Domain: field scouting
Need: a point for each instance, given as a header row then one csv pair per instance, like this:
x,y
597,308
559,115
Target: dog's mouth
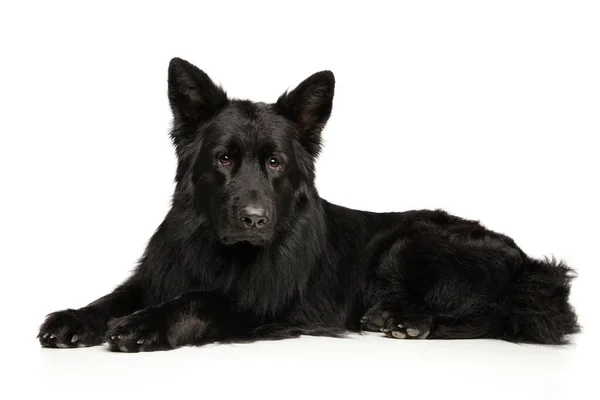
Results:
x,y
253,240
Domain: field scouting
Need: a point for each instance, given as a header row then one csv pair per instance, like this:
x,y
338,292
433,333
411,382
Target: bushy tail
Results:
x,y
538,304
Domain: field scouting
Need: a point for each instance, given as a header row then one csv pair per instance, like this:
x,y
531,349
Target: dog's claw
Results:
x,y
52,336
74,338
45,335
141,341
113,337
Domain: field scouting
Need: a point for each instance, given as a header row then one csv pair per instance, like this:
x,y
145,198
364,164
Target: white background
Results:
x,y
487,109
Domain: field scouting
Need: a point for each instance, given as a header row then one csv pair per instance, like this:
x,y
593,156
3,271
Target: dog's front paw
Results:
x,y
72,328
144,330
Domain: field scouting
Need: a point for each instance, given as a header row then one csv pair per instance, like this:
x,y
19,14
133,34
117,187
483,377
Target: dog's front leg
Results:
x,y
194,318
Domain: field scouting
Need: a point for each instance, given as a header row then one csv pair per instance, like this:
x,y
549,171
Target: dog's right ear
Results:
x,y
193,96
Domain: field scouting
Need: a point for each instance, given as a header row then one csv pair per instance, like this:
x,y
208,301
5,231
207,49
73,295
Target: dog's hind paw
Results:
x,y
396,325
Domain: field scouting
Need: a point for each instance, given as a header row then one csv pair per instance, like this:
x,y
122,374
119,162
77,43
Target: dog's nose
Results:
x,y
253,216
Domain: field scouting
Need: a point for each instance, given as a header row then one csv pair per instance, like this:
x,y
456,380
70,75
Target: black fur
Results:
x,y
250,251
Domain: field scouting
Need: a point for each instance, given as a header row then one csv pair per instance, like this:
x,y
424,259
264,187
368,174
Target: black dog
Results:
x,y
250,251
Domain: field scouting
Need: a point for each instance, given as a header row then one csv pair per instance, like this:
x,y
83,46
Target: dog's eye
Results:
x,y
225,160
274,163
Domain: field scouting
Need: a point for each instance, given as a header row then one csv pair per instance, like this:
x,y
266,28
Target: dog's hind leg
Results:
x,y
433,285
459,280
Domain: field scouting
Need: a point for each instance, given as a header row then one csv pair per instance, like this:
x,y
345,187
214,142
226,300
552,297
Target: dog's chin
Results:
x,y
254,240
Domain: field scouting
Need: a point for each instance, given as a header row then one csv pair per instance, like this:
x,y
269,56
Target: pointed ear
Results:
x,y
194,97
308,106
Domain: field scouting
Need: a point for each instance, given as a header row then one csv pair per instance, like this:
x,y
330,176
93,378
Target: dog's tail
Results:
x,y
537,305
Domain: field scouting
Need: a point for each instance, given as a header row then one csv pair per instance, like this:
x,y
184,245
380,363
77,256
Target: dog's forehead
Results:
x,y
249,121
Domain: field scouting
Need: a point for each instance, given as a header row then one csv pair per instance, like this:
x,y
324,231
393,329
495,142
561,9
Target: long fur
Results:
x,y
537,305
315,268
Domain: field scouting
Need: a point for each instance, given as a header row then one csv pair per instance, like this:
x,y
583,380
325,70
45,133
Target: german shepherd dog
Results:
x,y
249,251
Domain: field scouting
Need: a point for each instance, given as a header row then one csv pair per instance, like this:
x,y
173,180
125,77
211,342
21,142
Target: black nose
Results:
x,y
253,216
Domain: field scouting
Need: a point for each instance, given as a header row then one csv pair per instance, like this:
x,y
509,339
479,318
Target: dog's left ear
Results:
x,y
309,106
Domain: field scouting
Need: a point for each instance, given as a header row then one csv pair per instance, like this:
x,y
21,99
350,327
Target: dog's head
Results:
x,y
249,165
